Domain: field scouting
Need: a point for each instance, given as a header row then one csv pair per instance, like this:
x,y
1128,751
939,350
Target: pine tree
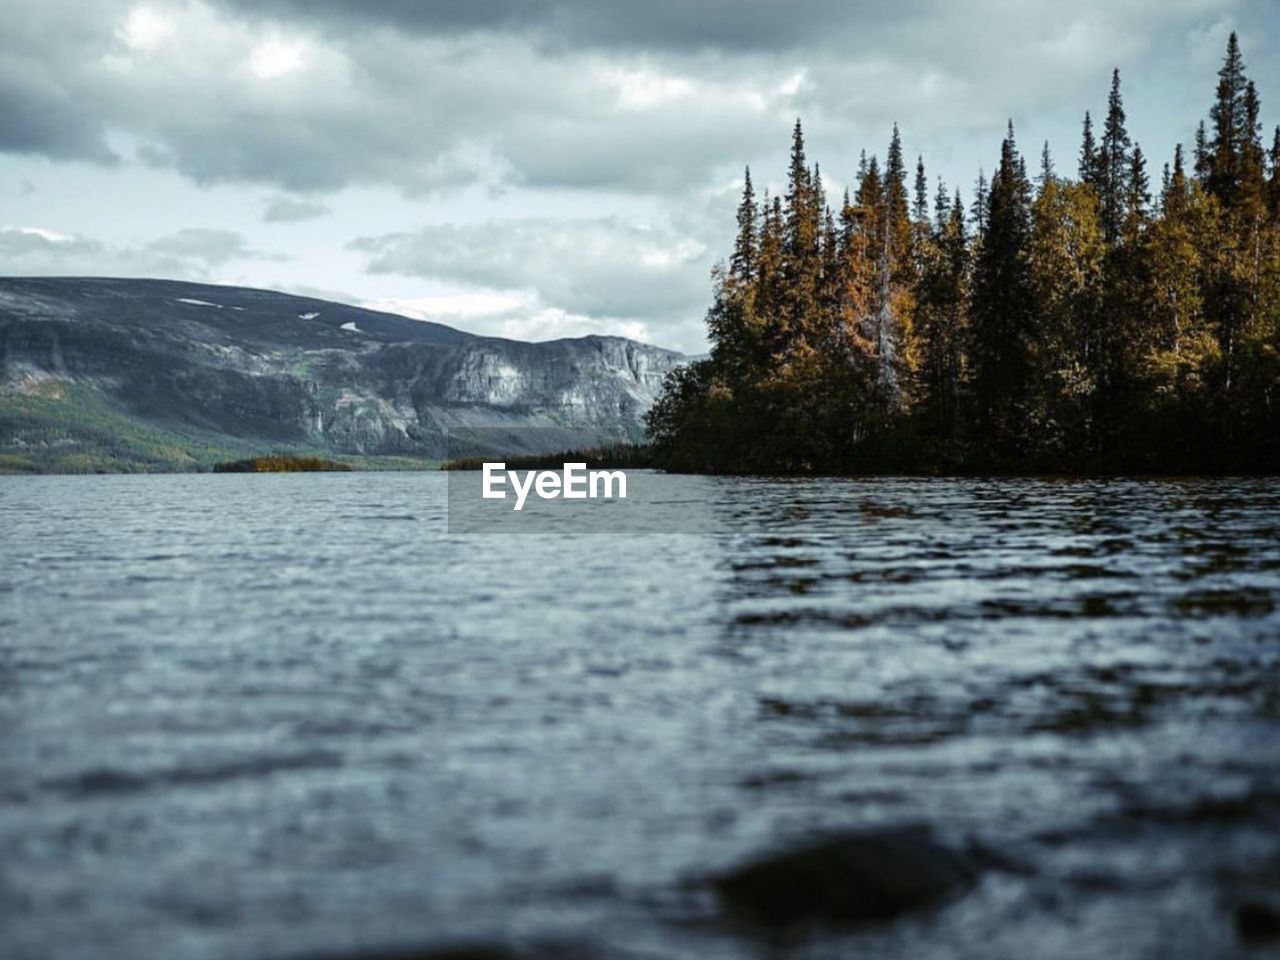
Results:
x,y
1114,165
770,287
895,278
1253,164
895,179
1139,195
1046,168
980,208
1088,163
802,262
920,197
1234,161
942,318
732,324
941,207
921,225
743,263
1173,194
1200,155
1004,313
1224,157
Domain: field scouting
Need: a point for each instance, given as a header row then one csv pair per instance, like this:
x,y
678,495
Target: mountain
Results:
x,y
125,374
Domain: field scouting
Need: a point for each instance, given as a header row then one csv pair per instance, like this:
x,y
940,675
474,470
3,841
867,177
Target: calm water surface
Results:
x,y
289,716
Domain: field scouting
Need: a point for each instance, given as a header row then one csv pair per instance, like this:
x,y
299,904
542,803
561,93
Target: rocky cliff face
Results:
x,y
97,364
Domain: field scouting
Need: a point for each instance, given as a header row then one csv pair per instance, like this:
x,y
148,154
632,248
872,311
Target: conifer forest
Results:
x,y
1106,314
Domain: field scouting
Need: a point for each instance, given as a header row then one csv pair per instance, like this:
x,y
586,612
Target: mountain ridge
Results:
x,y
121,373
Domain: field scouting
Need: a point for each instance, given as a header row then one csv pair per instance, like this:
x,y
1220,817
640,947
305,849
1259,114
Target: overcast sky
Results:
x,y
535,168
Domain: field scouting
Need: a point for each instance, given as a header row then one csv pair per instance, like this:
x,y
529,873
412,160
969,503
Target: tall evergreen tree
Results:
x,y
1200,155
941,207
1114,165
802,258
942,302
1047,175
980,208
1139,190
1088,162
1004,313
1225,152
1234,161
731,321
743,263
920,196
1173,193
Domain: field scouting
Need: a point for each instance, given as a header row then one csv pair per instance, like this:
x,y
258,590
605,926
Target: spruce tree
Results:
x,y
1200,155
1004,314
731,321
920,196
1253,164
1224,152
1139,187
1173,194
1046,168
1114,165
770,286
743,263
802,262
978,211
1234,177
1088,162
941,207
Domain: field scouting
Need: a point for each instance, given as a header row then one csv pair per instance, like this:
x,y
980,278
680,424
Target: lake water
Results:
x,y
286,716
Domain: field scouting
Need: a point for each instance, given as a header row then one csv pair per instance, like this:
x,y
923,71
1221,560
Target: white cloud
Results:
x,y
276,58
51,236
603,267
145,29
514,317
641,89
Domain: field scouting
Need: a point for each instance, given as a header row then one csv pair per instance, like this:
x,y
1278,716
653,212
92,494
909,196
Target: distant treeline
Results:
x,y
282,464
1060,323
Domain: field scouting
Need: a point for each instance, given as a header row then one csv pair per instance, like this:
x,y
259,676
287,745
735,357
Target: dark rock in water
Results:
x,y
1258,922
854,878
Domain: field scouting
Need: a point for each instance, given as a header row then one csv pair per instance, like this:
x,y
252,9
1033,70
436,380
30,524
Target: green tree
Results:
x,y
1004,315
1113,166
1088,163
1067,252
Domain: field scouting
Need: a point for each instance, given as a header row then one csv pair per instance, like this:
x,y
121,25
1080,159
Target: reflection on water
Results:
x,y
290,715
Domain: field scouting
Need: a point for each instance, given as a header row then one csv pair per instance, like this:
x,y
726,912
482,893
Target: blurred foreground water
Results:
x,y
288,716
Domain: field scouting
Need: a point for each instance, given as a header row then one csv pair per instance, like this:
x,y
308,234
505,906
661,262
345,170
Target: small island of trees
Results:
x,y
1090,324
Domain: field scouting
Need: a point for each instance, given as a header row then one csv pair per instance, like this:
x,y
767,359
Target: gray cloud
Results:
x,y
207,246
292,210
667,24
658,97
596,267
192,254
